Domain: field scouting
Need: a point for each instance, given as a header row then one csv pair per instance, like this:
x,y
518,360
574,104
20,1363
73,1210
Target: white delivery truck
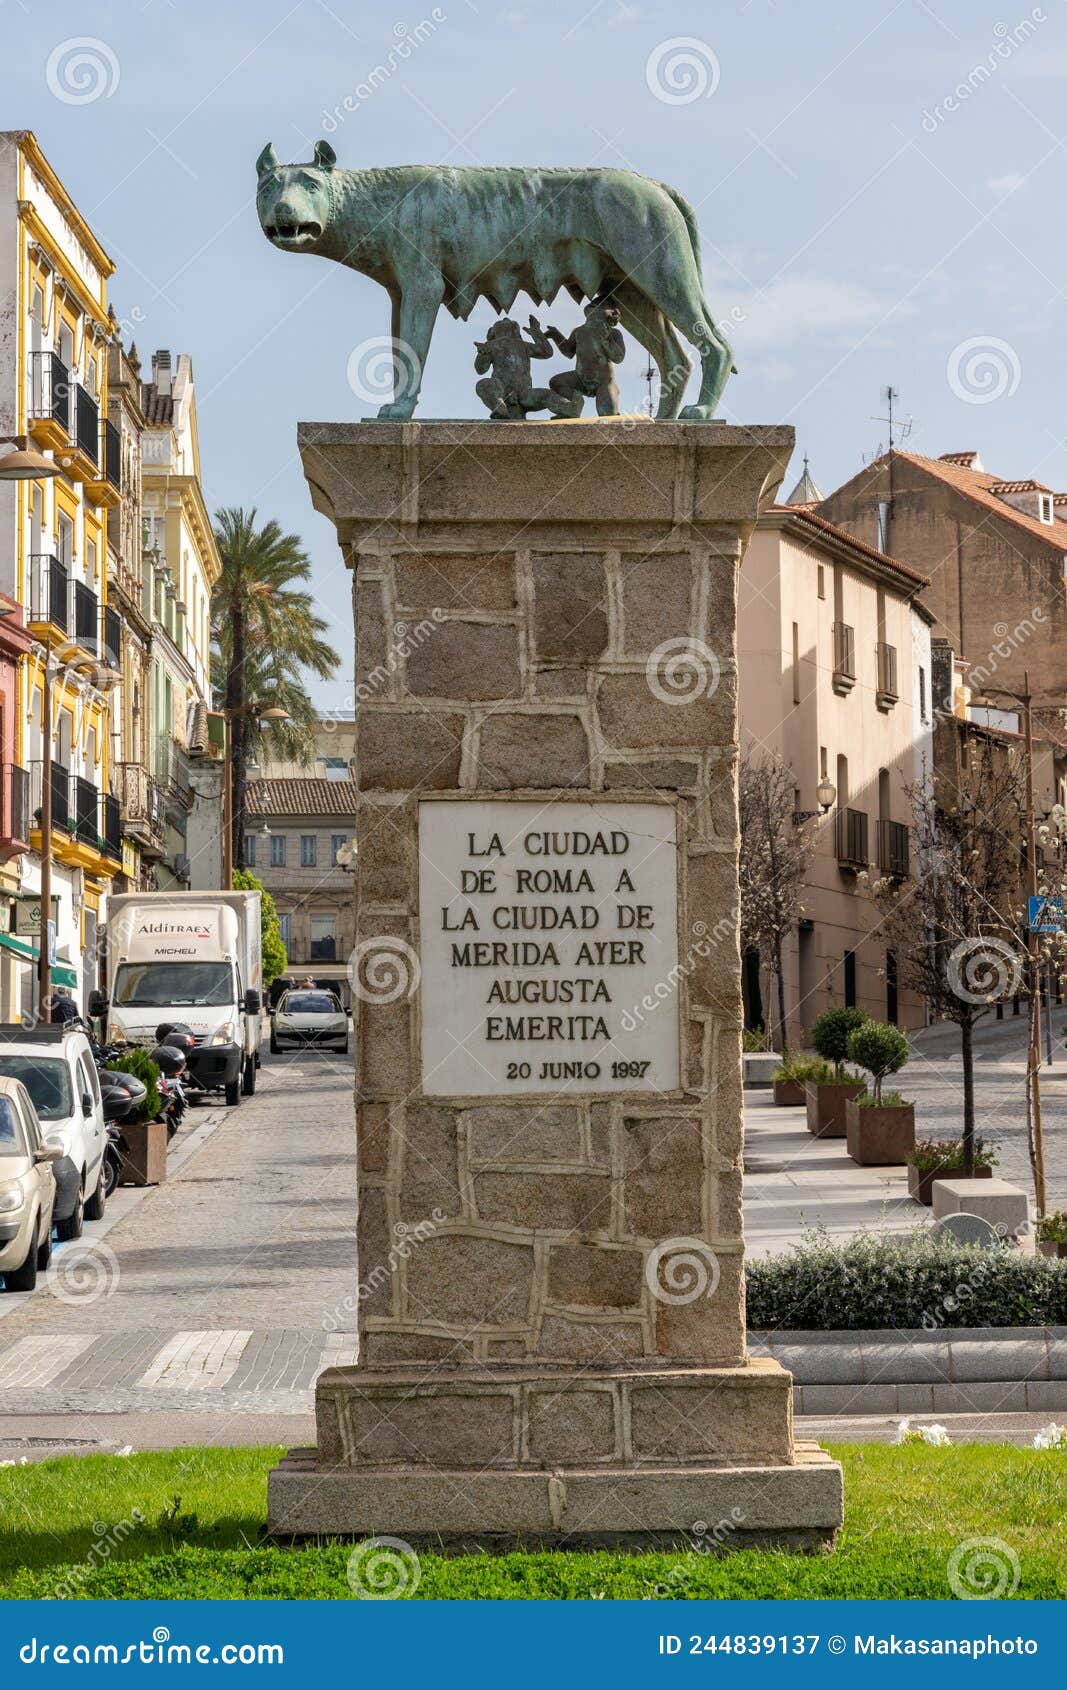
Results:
x,y
193,957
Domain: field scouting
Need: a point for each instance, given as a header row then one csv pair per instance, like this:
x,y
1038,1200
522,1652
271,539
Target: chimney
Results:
x,y
1033,498
161,379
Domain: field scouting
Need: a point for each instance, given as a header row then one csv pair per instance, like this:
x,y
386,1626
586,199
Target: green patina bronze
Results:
x,y
435,236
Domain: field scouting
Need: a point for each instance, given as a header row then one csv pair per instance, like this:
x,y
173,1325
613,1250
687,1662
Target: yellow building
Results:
x,y
53,576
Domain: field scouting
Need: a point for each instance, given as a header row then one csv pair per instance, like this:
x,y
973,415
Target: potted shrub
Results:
x,y
1052,1233
880,1128
793,1075
145,1162
934,1159
826,1097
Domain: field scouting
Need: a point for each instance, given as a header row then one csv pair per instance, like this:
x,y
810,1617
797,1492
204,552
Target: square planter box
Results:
x,y
826,1106
788,1094
145,1162
880,1136
921,1185
1052,1246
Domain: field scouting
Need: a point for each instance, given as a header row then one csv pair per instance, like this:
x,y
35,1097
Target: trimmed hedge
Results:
x,y
873,1282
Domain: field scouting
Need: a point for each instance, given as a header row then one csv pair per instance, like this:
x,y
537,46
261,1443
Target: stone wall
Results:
x,y
493,659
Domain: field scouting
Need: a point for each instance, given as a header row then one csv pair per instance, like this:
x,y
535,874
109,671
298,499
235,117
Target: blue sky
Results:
x,y
879,187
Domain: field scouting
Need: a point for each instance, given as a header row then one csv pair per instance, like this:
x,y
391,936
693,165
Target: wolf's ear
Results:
x,y
325,157
267,160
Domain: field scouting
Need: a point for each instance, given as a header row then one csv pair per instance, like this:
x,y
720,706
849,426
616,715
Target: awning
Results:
x,y
62,973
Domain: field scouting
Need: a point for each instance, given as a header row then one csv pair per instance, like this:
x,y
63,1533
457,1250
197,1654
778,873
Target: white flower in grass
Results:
x,y
1051,1436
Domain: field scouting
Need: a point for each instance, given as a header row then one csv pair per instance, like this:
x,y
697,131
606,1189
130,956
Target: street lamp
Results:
x,y
826,793
24,463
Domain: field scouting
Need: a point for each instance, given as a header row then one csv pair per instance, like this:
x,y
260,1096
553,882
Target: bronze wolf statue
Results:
x,y
436,236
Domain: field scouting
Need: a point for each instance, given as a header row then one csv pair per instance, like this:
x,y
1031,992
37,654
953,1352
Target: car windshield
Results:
x,y
168,985
310,1003
47,1079
11,1142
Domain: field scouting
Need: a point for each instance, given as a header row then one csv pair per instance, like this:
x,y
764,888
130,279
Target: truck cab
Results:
x,y
193,957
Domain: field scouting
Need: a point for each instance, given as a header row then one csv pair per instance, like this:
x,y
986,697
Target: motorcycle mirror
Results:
x,y
87,1103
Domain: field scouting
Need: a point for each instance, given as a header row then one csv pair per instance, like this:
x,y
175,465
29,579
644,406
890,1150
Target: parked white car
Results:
x,y
307,1016
56,1066
27,1189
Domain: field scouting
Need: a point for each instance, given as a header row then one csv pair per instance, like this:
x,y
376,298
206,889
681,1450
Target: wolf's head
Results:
x,y
295,201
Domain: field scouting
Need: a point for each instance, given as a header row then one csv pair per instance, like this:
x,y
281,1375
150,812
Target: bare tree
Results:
x,y
775,853
955,926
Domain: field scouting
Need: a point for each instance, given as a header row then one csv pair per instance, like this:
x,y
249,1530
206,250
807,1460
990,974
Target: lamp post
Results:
x,y
265,713
24,463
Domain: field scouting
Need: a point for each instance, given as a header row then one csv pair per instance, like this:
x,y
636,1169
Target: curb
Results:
x,y
954,1370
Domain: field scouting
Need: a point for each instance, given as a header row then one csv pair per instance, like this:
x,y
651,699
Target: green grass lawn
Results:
x,y
186,1523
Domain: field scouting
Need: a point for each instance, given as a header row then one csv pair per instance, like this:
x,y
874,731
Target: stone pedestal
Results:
x,y
547,996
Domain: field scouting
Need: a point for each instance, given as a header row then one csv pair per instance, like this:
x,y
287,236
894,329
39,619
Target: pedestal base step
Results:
x,y
718,1508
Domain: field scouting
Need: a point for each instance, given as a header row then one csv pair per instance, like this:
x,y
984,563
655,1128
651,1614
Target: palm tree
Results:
x,y
265,634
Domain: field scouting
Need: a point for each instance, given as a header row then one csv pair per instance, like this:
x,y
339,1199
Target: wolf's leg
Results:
x,y
650,328
421,293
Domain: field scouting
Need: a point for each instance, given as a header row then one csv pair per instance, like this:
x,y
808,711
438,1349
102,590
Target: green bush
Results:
x,y
879,1048
888,1100
754,1039
804,1068
275,961
138,1063
878,1282
830,1035
945,1153
1053,1227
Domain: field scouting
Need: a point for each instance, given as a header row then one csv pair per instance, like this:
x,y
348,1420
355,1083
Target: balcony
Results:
x,y
86,618
76,819
49,593
86,812
844,678
60,786
14,811
887,676
893,852
141,808
112,638
112,827
50,396
105,489
851,838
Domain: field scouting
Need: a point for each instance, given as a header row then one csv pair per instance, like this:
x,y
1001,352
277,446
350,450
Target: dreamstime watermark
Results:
x,y
82,69
681,70
1009,38
705,1540
407,638
703,945
681,1270
83,1273
107,1538
982,369
382,370
408,39
382,1568
682,670
935,1320
983,1569
1008,642
984,970
407,1237
383,970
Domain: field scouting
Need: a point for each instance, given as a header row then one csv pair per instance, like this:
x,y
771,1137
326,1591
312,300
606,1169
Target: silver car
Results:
x,y
27,1188
306,1015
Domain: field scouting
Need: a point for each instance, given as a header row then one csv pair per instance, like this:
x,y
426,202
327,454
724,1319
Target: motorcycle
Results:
x,y
121,1094
171,1064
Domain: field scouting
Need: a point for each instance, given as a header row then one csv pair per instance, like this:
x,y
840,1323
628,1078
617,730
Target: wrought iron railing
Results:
x,y
49,591
50,388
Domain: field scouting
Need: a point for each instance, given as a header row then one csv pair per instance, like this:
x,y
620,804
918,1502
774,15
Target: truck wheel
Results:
x,y
248,1082
24,1278
72,1226
94,1205
233,1094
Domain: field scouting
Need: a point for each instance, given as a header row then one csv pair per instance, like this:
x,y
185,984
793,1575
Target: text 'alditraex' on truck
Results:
x,y
191,957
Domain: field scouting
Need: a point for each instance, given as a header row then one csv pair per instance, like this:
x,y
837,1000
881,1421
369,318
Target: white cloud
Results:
x,y
794,310
1009,183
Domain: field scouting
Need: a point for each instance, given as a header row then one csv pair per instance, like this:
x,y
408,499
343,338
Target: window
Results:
x,y
922,693
891,1009
822,582
336,768
323,938
285,922
796,663
250,850
337,842
277,850
307,850
1046,507
65,536
850,979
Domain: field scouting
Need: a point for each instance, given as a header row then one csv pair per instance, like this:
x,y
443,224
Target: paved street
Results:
x,y
794,1181
206,1309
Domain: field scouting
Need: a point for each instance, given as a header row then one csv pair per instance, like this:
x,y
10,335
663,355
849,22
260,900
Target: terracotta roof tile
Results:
x,y
978,485
1030,486
804,513
158,407
313,796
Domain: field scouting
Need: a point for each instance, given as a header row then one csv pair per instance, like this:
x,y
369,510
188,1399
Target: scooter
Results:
x,y
171,1064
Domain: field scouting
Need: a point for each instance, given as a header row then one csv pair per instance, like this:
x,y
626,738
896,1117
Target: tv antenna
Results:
x,y
889,397
650,374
